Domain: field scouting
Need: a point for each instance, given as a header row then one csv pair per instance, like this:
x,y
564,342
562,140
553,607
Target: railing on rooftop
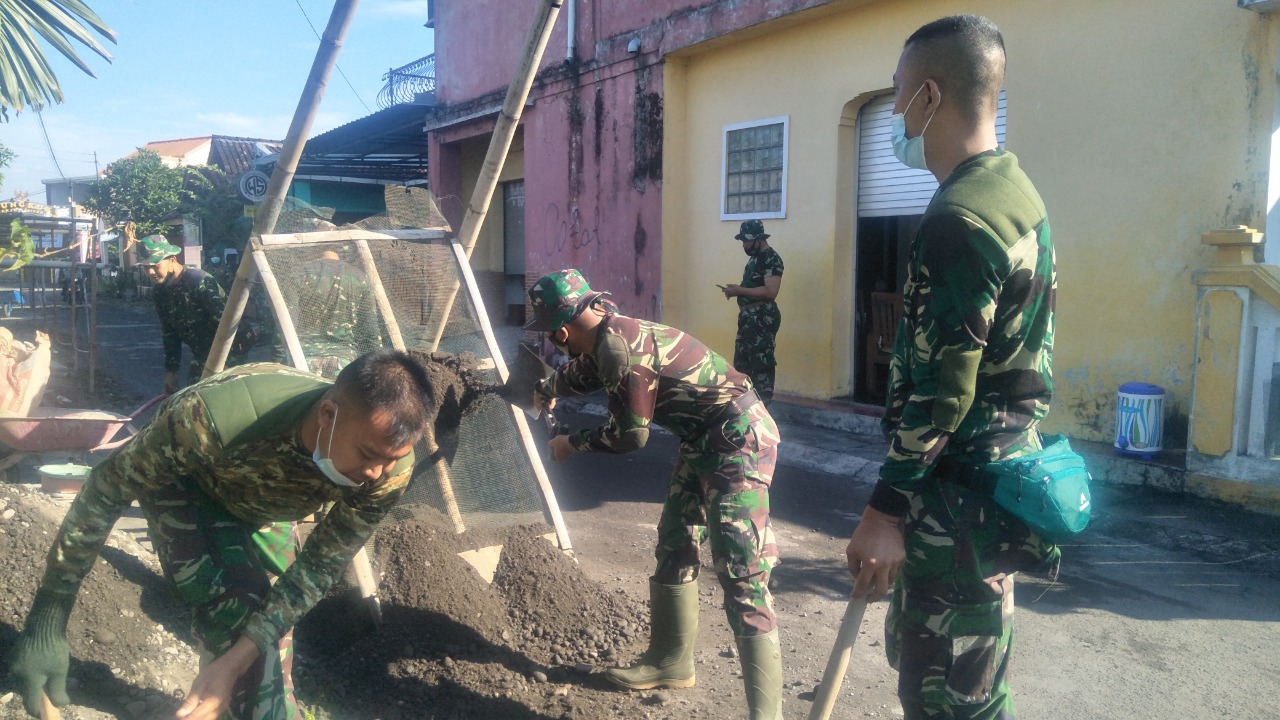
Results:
x,y
405,83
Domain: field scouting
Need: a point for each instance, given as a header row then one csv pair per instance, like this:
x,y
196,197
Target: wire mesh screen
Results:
x,y
347,295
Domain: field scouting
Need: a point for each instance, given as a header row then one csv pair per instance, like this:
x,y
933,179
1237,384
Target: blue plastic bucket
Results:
x,y
1139,419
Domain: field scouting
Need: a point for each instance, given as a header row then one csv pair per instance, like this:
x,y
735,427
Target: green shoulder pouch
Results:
x,y
1048,490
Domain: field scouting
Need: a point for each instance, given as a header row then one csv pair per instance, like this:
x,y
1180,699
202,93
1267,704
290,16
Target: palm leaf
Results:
x,y
25,74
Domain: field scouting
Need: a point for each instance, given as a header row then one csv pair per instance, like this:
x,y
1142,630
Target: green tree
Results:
x,y
140,188
26,78
18,245
212,198
6,157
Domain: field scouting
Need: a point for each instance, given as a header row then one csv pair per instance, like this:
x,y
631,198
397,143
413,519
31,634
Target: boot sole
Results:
x,y
674,684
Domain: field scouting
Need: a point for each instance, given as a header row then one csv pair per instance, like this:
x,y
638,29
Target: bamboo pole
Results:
x,y
397,342
264,220
522,425
504,131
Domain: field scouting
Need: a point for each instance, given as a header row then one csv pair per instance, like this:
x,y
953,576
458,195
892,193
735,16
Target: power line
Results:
x,y
45,131
339,67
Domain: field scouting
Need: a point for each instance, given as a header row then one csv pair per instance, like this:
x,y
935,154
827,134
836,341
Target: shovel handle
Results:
x,y
48,711
824,700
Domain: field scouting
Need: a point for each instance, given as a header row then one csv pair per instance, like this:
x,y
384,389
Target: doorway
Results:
x,y
513,252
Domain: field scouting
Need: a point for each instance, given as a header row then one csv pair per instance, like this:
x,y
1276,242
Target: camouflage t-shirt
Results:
x,y
764,264
652,374
333,309
258,470
970,374
189,310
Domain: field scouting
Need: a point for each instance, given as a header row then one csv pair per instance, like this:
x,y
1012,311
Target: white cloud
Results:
x,y
233,123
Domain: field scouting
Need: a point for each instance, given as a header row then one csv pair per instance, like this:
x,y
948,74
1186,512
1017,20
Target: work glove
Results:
x,y
41,655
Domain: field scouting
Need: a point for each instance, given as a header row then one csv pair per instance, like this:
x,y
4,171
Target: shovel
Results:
x,y
825,699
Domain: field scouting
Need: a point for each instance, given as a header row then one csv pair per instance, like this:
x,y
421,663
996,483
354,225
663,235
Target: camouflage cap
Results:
x,y
556,299
751,230
156,248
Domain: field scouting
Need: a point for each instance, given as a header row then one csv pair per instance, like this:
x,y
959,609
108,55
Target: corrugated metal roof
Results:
x,y
389,145
234,155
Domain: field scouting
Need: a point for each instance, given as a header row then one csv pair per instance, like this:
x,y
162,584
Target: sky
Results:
x,y
188,68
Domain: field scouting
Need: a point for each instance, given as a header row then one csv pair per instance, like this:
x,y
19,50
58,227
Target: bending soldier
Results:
x,y
654,374
189,302
220,472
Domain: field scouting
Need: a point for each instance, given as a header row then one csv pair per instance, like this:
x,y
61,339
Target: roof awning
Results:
x,y
389,146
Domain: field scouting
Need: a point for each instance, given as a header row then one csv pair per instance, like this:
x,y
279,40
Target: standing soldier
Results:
x,y
758,314
969,382
189,302
220,472
335,316
720,489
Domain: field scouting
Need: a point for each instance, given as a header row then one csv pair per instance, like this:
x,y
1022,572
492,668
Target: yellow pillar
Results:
x,y
1213,411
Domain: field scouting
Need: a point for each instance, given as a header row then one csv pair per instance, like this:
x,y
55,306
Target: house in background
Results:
x,y
68,190
653,129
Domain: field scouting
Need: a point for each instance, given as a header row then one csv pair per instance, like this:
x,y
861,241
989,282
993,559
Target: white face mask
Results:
x,y
909,151
326,465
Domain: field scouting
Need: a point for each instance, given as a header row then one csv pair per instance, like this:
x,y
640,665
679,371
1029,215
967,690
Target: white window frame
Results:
x,y
785,121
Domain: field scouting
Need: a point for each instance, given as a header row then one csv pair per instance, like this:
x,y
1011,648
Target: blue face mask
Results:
x,y
909,151
326,465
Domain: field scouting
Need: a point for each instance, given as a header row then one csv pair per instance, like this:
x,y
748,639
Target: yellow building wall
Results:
x,y
1143,124
488,253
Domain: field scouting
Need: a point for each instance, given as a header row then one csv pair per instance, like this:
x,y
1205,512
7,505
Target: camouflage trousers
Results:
x,y
753,354
724,496
222,568
948,633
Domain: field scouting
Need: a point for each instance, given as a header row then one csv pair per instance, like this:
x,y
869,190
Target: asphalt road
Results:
x,y
1165,608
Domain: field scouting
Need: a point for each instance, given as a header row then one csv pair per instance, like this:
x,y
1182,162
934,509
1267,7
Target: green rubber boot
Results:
x,y
762,674
673,627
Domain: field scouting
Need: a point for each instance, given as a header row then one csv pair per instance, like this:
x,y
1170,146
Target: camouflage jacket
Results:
x,y
970,372
190,310
759,267
258,469
652,374
333,309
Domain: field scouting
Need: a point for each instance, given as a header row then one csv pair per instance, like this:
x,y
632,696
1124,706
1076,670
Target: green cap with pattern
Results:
x,y
156,248
751,230
556,299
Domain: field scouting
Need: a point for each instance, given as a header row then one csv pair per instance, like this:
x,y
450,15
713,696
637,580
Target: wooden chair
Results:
x,y
886,312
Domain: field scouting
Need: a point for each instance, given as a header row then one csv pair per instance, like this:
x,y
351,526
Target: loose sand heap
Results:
x,y
458,383
452,645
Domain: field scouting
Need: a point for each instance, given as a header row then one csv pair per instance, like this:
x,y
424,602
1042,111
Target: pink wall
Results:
x,y
592,187
593,137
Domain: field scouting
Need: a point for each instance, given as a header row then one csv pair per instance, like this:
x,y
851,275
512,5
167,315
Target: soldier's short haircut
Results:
x,y
964,54
392,382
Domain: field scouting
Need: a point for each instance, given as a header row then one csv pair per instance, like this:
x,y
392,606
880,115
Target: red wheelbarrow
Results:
x,y
68,429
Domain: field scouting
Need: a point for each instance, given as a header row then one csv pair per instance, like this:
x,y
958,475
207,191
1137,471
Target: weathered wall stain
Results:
x,y
646,133
640,240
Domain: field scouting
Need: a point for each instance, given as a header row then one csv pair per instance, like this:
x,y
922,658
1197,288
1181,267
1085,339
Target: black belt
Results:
x,y
954,470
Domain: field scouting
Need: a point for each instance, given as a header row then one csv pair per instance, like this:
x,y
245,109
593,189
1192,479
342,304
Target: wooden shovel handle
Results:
x,y
48,711
825,698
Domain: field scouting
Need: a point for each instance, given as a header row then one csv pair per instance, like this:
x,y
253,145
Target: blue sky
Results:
x,y
186,68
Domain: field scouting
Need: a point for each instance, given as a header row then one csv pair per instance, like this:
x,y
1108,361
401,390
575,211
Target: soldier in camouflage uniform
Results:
x,y
334,314
655,374
969,382
758,315
220,472
189,302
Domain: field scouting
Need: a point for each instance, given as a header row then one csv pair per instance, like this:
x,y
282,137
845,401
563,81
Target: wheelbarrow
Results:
x,y
67,430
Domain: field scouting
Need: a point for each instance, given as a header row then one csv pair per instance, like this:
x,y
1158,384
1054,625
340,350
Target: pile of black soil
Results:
x,y
452,645
458,382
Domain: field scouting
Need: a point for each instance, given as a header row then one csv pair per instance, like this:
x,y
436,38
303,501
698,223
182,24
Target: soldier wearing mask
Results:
x,y
758,315
654,374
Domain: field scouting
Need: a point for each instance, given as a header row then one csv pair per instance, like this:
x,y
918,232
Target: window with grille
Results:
x,y
755,170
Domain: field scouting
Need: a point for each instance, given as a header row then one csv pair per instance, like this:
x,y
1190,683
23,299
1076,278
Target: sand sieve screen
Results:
x,y
400,280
